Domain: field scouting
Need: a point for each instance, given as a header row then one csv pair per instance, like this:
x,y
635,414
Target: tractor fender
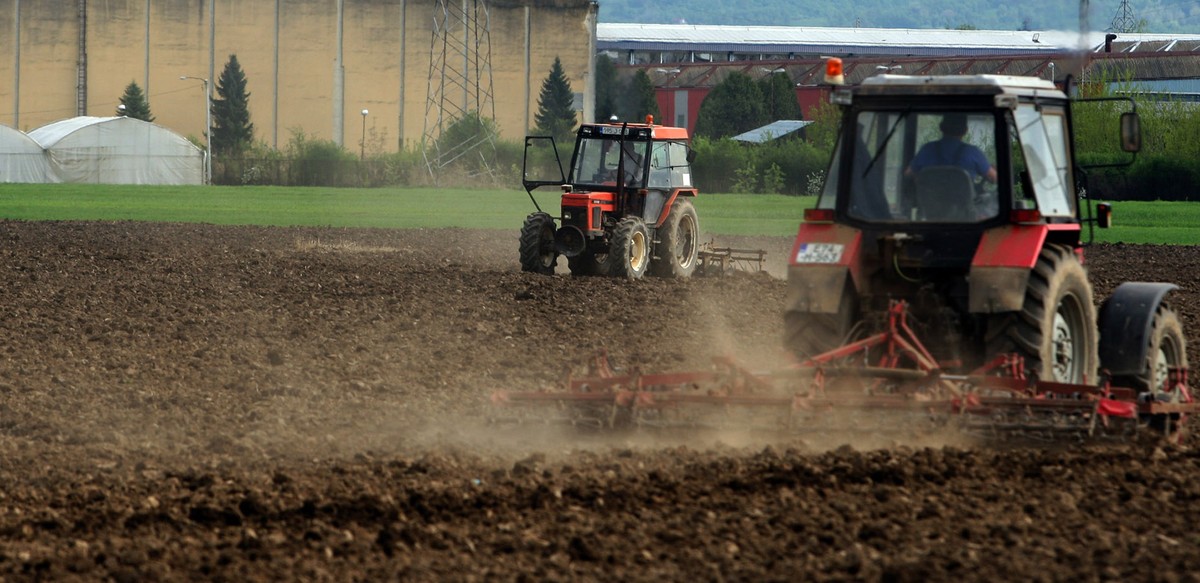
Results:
x,y
825,257
1125,322
993,290
1001,265
659,204
816,289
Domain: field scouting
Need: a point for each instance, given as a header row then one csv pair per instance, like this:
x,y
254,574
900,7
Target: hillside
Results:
x,y
1155,16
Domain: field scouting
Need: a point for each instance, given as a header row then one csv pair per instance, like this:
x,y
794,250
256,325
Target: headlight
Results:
x,y
566,216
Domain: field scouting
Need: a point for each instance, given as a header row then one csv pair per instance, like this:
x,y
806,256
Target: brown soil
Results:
x,y
182,402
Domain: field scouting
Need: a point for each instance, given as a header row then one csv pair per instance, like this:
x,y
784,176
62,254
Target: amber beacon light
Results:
x,y
833,71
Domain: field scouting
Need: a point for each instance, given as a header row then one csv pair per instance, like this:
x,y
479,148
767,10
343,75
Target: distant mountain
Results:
x,y
1161,16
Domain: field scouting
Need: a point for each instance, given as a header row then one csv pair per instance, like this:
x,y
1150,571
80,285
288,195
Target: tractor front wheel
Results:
x,y
1055,331
537,244
629,249
677,252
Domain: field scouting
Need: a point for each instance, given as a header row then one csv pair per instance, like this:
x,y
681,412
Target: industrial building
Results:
x,y
686,61
376,75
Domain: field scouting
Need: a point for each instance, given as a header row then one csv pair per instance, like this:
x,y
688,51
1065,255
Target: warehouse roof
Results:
x,y
771,131
871,41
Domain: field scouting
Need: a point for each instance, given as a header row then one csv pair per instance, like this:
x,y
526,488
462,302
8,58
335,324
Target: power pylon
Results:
x,y
1124,20
460,85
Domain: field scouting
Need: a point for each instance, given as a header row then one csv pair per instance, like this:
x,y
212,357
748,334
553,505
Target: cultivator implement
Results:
x,y
884,384
717,261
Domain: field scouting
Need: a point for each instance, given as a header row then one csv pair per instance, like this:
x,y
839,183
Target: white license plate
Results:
x,y
820,253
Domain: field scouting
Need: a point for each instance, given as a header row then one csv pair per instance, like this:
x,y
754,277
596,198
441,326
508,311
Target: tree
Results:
x,y
607,88
642,93
733,106
464,136
779,97
556,112
135,103
232,130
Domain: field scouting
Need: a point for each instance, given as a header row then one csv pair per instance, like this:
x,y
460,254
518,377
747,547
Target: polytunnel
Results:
x,y
119,150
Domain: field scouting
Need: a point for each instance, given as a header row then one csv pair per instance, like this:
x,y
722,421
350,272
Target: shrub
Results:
x,y
716,163
319,162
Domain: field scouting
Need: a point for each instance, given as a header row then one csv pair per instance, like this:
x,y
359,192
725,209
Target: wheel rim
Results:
x,y
685,246
548,253
637,251
1066,343
1167,357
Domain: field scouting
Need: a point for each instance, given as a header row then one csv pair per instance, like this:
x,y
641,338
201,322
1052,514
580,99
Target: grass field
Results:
x,y
402,208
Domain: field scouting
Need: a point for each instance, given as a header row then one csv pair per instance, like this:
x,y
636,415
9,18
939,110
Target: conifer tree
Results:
x,y
135,103
556,112
644,100
232,130
607,88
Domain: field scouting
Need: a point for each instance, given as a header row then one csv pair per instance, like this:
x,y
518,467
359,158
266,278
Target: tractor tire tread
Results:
x,y
533,244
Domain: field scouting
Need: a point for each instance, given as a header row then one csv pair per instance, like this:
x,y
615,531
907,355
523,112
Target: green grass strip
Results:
x,y
504,209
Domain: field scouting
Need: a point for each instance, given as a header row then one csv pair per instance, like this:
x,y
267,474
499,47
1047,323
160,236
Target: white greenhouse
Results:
x,y
22,159
119,150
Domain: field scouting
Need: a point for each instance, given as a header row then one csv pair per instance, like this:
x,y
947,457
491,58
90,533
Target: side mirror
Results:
x,y
1131,132
691,155
1103,215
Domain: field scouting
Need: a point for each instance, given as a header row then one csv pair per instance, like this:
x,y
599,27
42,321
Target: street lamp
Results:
x,y
207,126
363,144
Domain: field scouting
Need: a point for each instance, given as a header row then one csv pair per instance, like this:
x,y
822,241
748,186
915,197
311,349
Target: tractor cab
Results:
x,y
944,159
955,153
961,195
625,206
641,165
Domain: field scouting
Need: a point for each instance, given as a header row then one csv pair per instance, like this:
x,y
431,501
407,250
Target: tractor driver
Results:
x,y
952,151
609,163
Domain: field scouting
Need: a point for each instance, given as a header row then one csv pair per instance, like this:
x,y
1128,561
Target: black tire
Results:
x,y
587,264
807,334
629,249
537,244
677,252
1055,331
1167,349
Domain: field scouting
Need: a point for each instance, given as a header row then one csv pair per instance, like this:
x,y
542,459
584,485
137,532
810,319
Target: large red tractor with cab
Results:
x,y
961,196
626,205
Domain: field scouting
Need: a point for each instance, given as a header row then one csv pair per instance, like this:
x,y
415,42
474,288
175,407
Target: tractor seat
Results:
x,y
945,194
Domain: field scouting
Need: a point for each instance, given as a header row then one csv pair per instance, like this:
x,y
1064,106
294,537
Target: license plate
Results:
x,y
820,253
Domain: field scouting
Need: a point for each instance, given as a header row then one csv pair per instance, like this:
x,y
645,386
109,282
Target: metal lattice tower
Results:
x,y
1124,20
460,84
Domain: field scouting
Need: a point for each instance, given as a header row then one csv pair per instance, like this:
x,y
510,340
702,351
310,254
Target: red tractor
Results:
x,y
626,204
938,283
961,196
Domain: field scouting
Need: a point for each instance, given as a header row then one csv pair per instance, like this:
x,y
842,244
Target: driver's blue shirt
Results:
x,y
952,152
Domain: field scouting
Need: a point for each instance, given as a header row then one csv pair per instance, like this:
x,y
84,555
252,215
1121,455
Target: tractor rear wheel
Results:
x,y
1167,350
1055,331
807,334
678,245
629,249
537,244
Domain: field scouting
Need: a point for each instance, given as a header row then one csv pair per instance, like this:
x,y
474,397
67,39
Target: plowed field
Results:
x,y
183,402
